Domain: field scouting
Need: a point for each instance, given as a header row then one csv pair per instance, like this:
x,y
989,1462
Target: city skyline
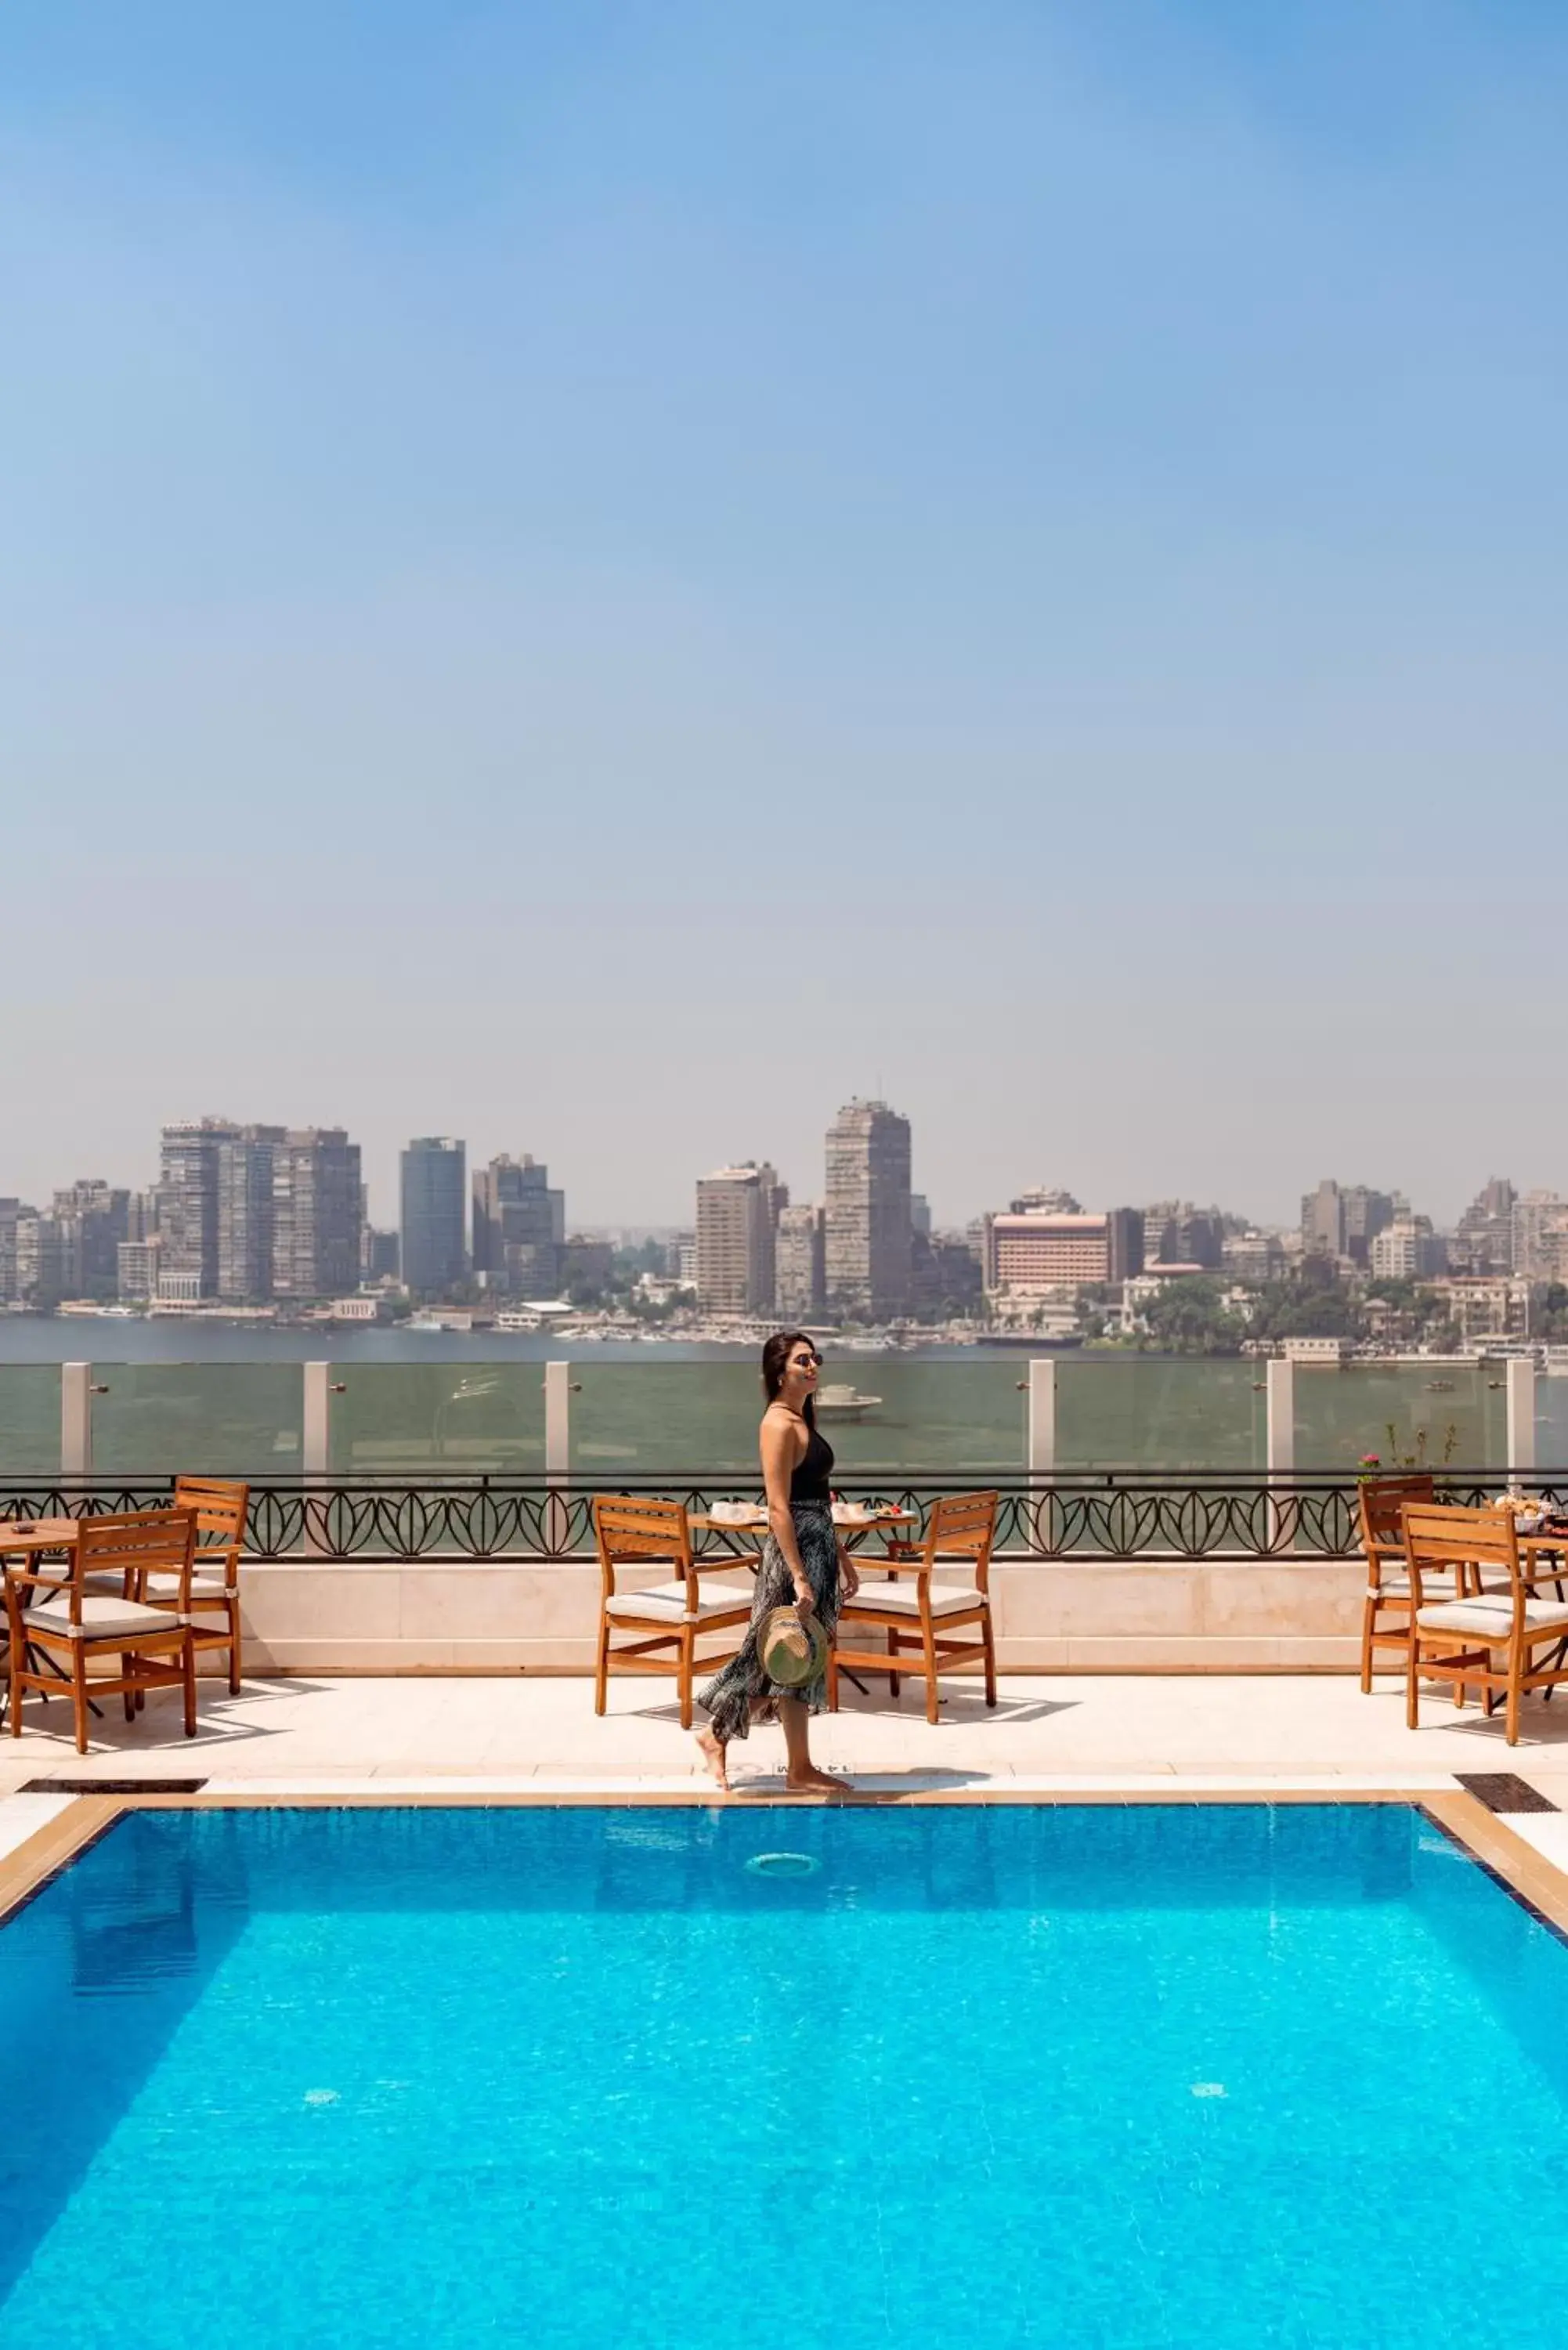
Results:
x,y
383,1203
241,1210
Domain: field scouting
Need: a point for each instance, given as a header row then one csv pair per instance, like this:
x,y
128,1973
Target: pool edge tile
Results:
x,y
1498,1847
53,1847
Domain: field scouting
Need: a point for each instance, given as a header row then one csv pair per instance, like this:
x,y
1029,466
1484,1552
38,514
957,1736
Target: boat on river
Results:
x,y
844,1403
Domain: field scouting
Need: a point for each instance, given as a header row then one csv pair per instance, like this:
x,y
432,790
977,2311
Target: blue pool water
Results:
x,y
1100,2076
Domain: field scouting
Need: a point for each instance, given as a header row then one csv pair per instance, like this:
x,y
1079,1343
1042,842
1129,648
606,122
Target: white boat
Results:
x,y
844,1403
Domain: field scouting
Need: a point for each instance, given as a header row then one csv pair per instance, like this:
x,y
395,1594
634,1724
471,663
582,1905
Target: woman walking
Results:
x,y
802,1564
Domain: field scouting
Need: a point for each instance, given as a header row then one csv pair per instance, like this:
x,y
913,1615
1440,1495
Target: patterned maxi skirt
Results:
x,y
743,1684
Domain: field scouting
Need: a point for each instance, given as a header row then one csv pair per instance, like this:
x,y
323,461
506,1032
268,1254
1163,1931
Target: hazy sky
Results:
x,y
602,575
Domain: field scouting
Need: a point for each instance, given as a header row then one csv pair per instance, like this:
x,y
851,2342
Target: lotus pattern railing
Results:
x,y
1109,1514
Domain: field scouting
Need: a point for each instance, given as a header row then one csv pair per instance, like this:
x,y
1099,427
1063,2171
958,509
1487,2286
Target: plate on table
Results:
x,y
853,1514
737,1513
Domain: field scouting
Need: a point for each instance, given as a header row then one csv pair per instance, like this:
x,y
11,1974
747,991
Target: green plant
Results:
x,y
1418,1458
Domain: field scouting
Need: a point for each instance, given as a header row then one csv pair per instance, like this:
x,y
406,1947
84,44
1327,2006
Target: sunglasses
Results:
x,y
806,1362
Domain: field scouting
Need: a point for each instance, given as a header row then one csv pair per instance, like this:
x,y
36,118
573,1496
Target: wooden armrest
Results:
x,y
57,1581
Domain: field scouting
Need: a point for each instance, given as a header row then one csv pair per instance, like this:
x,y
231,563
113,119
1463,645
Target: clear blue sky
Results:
x,y
603,576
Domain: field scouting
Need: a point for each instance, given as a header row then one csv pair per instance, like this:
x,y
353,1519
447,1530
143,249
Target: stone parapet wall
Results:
x,y
1052,1615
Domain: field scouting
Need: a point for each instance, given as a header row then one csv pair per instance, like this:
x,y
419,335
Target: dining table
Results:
x,y
851,1530
851,1524
29,1538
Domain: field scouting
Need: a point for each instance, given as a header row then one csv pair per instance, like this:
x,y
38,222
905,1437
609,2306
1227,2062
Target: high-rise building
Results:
x,y
800,1265
378,1254
1483,1243
868,1229
98,1213
142,1215
434,1190
11,1212
188,1203
1540,1237
519,1228
1408,1250
738,1209
947,1276
1176,1232
1034,1252
49,1263
318,1211
1253,1256
1323,1221
245,1178
1366,1213
137,1269
1344,1220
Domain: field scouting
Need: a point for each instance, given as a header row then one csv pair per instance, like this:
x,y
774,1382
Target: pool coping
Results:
x,y
1517,1866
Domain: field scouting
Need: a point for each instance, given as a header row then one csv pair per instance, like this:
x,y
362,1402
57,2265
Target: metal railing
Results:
x,y
1110,1514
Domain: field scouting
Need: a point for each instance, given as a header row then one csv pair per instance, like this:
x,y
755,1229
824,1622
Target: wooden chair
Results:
x,y
961,1528
670,1616
222,1509
83,1620
1457,1638
1385,1610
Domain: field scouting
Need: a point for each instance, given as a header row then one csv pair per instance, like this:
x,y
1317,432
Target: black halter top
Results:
x,y
809,1482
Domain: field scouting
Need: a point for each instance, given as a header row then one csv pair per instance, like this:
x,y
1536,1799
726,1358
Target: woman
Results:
x,y
801,1561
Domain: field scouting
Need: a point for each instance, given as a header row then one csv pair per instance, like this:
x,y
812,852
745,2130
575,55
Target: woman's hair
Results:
x,y
775,1362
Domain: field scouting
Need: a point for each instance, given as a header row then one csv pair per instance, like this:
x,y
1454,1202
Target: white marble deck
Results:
x,y
1049,1734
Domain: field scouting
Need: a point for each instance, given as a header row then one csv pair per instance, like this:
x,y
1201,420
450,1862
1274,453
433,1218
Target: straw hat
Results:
x,y
793,1647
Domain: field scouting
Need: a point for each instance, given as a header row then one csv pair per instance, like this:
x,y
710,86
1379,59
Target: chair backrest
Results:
x,y
1439,1541
964,1525
221,1507
1383,1504
134,1542
634,1531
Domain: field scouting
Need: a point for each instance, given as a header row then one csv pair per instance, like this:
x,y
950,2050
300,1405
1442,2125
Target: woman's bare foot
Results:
x,y
715,1756
813,1782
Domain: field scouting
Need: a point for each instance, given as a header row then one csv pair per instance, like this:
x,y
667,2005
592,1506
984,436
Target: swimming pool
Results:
x,y
1111,2075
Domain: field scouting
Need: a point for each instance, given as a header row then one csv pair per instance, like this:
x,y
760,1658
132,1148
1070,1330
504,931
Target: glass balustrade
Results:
x,y
885,1417
200,1419
29,1420
437,1419
888,1417
1420,1414
1132,1412
1552,1423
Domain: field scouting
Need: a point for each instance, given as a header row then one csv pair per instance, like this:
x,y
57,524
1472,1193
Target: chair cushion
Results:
x,y
904,1598
166,1588
104,1617
667,1600
1397,1586
1492,1619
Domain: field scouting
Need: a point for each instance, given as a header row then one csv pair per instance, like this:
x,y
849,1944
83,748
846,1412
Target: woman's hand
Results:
x,y
804,1600
848,1576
